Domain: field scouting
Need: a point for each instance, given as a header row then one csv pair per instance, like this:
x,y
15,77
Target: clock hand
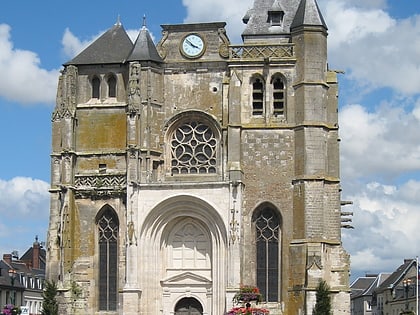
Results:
x,y
191,44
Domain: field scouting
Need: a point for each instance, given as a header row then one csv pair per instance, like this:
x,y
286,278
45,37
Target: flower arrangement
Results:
x,y
10,309
248,311
246,294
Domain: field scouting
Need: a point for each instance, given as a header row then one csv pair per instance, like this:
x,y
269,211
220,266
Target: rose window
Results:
x,y
193,149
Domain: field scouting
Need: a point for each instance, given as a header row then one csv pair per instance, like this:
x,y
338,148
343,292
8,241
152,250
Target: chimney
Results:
x,y
35,254
7,258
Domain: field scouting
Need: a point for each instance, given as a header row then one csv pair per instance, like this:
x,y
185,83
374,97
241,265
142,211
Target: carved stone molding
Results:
x,y
96,194
162,51
134,98
224,46
66,94
262,51
100,181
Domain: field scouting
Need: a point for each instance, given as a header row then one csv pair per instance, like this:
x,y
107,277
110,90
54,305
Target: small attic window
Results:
x,y
275,18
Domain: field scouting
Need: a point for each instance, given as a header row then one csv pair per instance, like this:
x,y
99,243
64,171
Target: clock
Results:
x,y
192,46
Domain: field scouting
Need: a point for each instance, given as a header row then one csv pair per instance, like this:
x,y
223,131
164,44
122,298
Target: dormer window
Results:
x,y
275,18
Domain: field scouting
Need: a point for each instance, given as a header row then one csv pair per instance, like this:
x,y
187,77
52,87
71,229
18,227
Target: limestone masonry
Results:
x,y
183,170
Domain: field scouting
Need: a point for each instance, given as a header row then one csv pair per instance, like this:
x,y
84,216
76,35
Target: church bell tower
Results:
x,y
185,170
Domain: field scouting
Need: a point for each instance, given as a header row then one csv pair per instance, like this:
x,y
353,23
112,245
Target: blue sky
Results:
x,y
376,43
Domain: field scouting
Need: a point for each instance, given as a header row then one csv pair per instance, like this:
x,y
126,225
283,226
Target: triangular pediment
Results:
x,y
185,278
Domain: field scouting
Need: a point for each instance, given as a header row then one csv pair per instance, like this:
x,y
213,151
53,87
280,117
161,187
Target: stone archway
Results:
x,y
188,306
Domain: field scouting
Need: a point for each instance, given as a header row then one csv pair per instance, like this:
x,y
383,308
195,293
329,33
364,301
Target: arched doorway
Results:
x,y
188,306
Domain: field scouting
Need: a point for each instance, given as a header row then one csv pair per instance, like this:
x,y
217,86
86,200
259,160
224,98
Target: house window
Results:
x,y
267,228
193,149
112,86
108,262
257,97
96,83
278,96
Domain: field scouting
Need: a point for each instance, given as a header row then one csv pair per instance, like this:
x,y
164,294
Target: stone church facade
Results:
x,y
183,170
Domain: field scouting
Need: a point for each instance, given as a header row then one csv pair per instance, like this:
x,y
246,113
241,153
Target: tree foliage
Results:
x,y
49,304
323,300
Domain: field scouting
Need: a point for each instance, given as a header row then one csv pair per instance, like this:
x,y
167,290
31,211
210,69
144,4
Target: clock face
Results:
x,y
192,46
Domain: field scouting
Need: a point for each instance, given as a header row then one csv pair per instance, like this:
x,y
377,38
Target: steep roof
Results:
x,y
397,276
364,286
111,47
144,49
307,14
28,257
296,13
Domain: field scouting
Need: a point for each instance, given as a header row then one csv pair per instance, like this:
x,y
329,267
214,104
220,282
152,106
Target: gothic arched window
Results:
x,y
257,97
107,224
267,232
278,96
112,86
193,148
96,83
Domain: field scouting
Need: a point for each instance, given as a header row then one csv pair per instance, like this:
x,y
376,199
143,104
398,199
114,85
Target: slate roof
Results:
x,y
28,257
397,276
296,13
307,14
19,267
111,47
364,286
144,49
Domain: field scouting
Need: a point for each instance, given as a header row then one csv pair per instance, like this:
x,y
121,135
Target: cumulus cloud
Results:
x,y
231,12
24,209
371,43
21,70
382,142
386,223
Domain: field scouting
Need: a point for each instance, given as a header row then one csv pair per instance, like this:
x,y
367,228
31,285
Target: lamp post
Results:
x,y
12,275
406,283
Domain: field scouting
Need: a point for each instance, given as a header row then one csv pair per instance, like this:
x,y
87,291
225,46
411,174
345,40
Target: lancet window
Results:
x,y
108,226
96,84
257,97
267,233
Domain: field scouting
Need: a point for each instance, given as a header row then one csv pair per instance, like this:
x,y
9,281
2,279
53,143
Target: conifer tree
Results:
x,y
323,299
49,304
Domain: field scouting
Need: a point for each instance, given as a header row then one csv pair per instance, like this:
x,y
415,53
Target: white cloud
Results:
x,y
21,71
231,12
383,142
386,223
370,43
24,209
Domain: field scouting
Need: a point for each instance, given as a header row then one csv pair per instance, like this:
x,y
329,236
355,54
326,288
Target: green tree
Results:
x,y
323,299
49,304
